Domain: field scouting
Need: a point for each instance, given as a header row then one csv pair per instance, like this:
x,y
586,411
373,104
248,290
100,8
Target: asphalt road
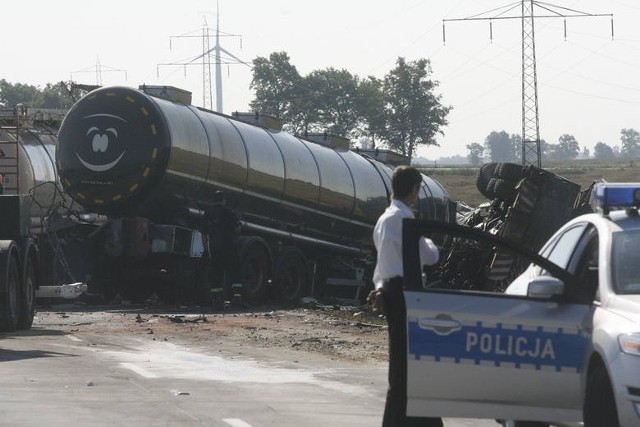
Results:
x,y
52,377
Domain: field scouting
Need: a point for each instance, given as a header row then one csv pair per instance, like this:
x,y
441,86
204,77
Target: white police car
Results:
x,y
551,349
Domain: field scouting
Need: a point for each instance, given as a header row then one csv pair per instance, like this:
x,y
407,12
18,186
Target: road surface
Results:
x,y
64,373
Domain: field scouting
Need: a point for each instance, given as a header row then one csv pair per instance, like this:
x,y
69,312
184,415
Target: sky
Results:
x,y
588,83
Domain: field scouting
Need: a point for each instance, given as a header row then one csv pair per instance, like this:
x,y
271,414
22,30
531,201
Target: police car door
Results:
x,y
490,355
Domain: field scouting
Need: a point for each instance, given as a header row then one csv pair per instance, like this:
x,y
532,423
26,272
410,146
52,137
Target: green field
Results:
x,y
460,181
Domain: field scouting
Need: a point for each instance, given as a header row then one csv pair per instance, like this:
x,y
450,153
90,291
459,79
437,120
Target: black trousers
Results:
x,y
395,410
221,270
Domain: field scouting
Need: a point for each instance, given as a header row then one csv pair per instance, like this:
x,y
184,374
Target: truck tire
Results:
x,y
9,286
485,174
502,189
255,269
499,180
27,305
510,171
291,277
599,403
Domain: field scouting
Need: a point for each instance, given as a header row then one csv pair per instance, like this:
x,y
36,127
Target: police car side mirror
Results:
x,y
545,287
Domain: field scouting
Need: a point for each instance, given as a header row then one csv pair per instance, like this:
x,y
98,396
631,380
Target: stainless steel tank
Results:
x,y
37,171
122,152
28,164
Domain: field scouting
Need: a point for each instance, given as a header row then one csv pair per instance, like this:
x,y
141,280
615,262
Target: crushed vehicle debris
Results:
x,y
527,205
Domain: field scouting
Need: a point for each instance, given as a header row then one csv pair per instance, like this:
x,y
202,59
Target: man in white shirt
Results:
x,y
388,296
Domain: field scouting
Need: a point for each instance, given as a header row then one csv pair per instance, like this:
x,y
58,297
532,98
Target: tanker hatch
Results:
x,y
339,143
169,93
385,156
265,121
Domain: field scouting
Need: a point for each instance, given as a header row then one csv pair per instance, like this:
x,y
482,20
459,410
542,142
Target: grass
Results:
x,y
460,181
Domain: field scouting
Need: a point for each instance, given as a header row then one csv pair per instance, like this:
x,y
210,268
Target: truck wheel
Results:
x,y
510,171
9,286
255,266
502,189
599,402
291,277
485,174
28,294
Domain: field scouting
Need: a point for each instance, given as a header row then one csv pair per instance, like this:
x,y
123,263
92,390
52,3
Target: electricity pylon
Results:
x,y
530,122
206,35
99,69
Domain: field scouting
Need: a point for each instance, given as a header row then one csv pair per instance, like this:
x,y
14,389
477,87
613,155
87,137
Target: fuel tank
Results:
x,y
35,170
122,152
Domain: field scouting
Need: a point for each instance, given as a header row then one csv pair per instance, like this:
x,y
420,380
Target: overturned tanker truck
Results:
x,y
148,163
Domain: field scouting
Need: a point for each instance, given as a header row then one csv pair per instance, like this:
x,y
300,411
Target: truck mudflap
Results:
x,y
68,291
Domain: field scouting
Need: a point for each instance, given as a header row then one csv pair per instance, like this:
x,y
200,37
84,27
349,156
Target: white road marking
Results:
x,y
138,370
167,360
235,422
73,338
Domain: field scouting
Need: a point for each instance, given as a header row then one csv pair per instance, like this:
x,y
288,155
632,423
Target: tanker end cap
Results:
x,y
113,148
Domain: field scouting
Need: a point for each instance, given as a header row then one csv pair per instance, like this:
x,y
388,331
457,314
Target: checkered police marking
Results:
x,y
503,345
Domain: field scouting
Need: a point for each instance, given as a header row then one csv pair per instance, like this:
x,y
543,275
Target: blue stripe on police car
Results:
x,y
497,343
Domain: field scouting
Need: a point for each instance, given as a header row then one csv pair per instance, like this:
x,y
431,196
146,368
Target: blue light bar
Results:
x,y
607,196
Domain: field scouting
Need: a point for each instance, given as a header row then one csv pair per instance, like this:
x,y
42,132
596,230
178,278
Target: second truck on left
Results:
x,y
32,261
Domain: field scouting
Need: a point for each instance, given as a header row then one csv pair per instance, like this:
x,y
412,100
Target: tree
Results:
x,y
331,101
14,94
54,95
413,115
276,83
545,150
476,151
401,111
602,151
58,96
370,103
552,152
630,146
502,147
567,148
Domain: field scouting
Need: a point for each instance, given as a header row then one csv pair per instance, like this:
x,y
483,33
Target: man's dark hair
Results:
x,y
403,180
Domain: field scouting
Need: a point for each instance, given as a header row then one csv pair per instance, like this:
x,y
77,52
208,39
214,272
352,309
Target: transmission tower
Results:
x,y
531,154
207,51
99,69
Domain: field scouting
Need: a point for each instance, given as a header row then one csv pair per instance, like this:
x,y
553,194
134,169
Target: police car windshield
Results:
x,y
625,262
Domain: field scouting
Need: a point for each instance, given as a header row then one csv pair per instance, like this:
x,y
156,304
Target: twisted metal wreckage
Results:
x,y
527,205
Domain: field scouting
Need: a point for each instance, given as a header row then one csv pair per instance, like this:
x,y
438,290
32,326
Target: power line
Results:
x,y
530,114
99,70
205,60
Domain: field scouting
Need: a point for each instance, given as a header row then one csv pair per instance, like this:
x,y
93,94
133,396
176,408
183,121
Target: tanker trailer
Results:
x,y
151,162
31,256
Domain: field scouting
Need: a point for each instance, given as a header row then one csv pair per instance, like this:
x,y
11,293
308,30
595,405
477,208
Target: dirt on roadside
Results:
x,y
339,332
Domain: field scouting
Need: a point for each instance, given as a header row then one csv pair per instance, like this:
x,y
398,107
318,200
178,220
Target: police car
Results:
x,y
561,345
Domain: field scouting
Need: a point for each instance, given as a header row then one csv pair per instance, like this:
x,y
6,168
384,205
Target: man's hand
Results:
x,y
375,299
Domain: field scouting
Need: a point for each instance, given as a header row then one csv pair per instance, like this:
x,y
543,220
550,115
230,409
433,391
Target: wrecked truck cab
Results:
x,y
526,206
529,203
